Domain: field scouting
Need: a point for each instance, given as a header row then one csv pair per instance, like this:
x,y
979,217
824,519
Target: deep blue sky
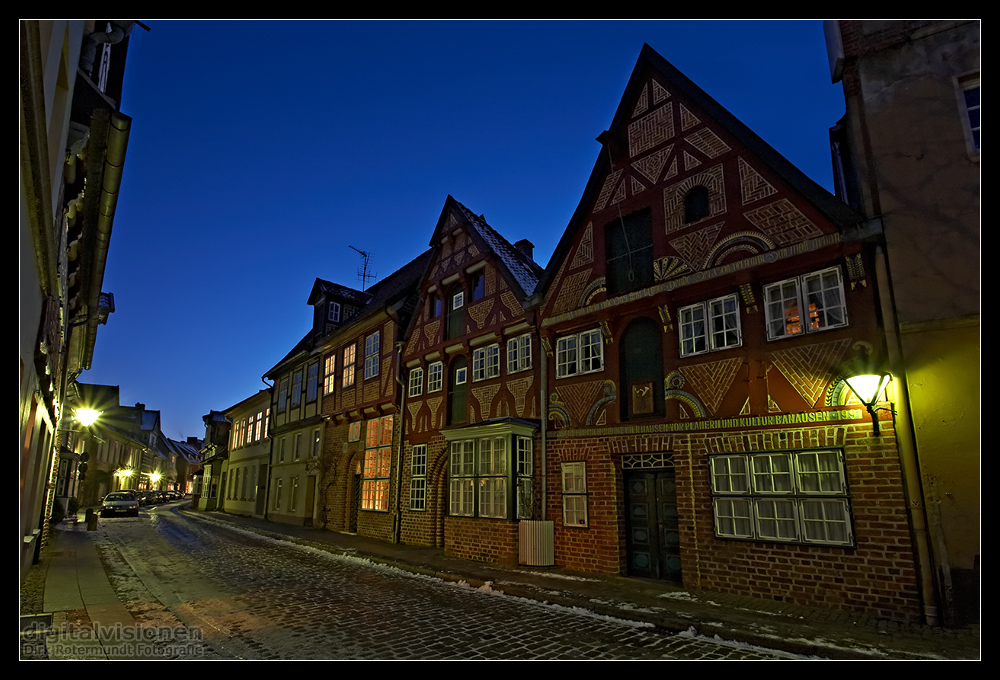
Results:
x,y
261,150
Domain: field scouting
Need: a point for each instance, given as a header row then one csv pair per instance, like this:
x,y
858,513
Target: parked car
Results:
x,y
120,503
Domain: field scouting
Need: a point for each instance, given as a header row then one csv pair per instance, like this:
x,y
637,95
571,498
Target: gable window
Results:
x,y
519,353
580,353
433,305
378,462
371,355
349,354
478,286
628,246
329,374
710,326
486,363
574,494
806,304
490,477
435,377
416,382
456,312
333,312
787,496
696,204
418,478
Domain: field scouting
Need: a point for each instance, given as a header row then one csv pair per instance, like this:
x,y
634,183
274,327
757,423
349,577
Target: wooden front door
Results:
x,y
653,531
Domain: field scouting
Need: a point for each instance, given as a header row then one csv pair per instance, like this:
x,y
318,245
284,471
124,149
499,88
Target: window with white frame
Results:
x,y
519,353
333,312
491,477
281,449
806,304
416,382
435,377
786,496
574,494
329,374
277,493
486,363
580,353
293,496
317,441
378,462
971,100
710,326
418,478
371,355
349,355
312,381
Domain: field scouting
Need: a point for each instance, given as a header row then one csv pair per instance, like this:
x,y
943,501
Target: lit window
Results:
x,y
794,497
371,355
378,462
574,494
519,353
820,294
329,374
416,382
486,363
349,354
710,326
579,354
435,377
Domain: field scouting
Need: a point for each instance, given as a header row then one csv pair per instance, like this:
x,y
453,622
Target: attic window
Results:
x,y
696,205
333,312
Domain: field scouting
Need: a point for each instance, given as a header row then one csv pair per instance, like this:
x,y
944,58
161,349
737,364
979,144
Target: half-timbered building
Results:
x,y
699,313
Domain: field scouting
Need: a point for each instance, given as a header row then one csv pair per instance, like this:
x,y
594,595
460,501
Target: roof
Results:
x,y
840,214
329,289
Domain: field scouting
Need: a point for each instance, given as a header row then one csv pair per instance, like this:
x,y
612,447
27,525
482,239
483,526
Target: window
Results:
x,y
418,478
710,326
456,312
574,494
794,497
696,205
297,446
378,461
433,305
333,312
435,377
628,246
317,440
821,294
416,382
579,354
486,363
971,100
297,389
457,390
478,286
329,374
312,382
371,355
293,497
282,395
281,450
277,493
519,353
349,366
490,477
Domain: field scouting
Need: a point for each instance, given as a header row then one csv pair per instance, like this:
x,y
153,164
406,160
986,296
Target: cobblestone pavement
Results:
x,y
199,589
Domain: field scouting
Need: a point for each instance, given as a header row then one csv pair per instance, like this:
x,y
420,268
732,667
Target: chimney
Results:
x,y
526,248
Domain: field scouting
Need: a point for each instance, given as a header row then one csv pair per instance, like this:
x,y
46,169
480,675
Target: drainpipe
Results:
x,y
543,407
905,445
270,452
397,522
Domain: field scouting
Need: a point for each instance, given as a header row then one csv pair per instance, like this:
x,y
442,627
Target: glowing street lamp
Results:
x,y
868,382
87,416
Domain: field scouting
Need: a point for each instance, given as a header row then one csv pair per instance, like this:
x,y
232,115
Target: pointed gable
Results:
x,y
685,188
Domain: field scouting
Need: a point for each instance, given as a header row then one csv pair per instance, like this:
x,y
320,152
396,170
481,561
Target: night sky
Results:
x,y
260,151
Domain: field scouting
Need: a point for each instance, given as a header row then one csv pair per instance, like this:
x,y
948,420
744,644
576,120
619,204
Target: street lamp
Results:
x,y
87,416
868,380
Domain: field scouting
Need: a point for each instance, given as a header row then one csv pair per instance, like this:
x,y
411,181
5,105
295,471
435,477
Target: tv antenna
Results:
x,y
363,271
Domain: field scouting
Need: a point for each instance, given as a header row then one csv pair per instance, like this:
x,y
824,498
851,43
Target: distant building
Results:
x,y
245,490
907,156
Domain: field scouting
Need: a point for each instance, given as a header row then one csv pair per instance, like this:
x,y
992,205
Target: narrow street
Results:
x,y
214,592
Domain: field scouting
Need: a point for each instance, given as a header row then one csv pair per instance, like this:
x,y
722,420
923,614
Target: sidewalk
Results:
x,y
800,630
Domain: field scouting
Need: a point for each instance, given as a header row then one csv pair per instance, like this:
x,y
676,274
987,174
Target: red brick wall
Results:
x,y
484,540
878,576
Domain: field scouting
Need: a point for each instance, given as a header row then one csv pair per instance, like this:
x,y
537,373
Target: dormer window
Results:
x,y
333,312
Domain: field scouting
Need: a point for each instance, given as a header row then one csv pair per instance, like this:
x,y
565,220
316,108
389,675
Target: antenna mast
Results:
x,y
363,271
